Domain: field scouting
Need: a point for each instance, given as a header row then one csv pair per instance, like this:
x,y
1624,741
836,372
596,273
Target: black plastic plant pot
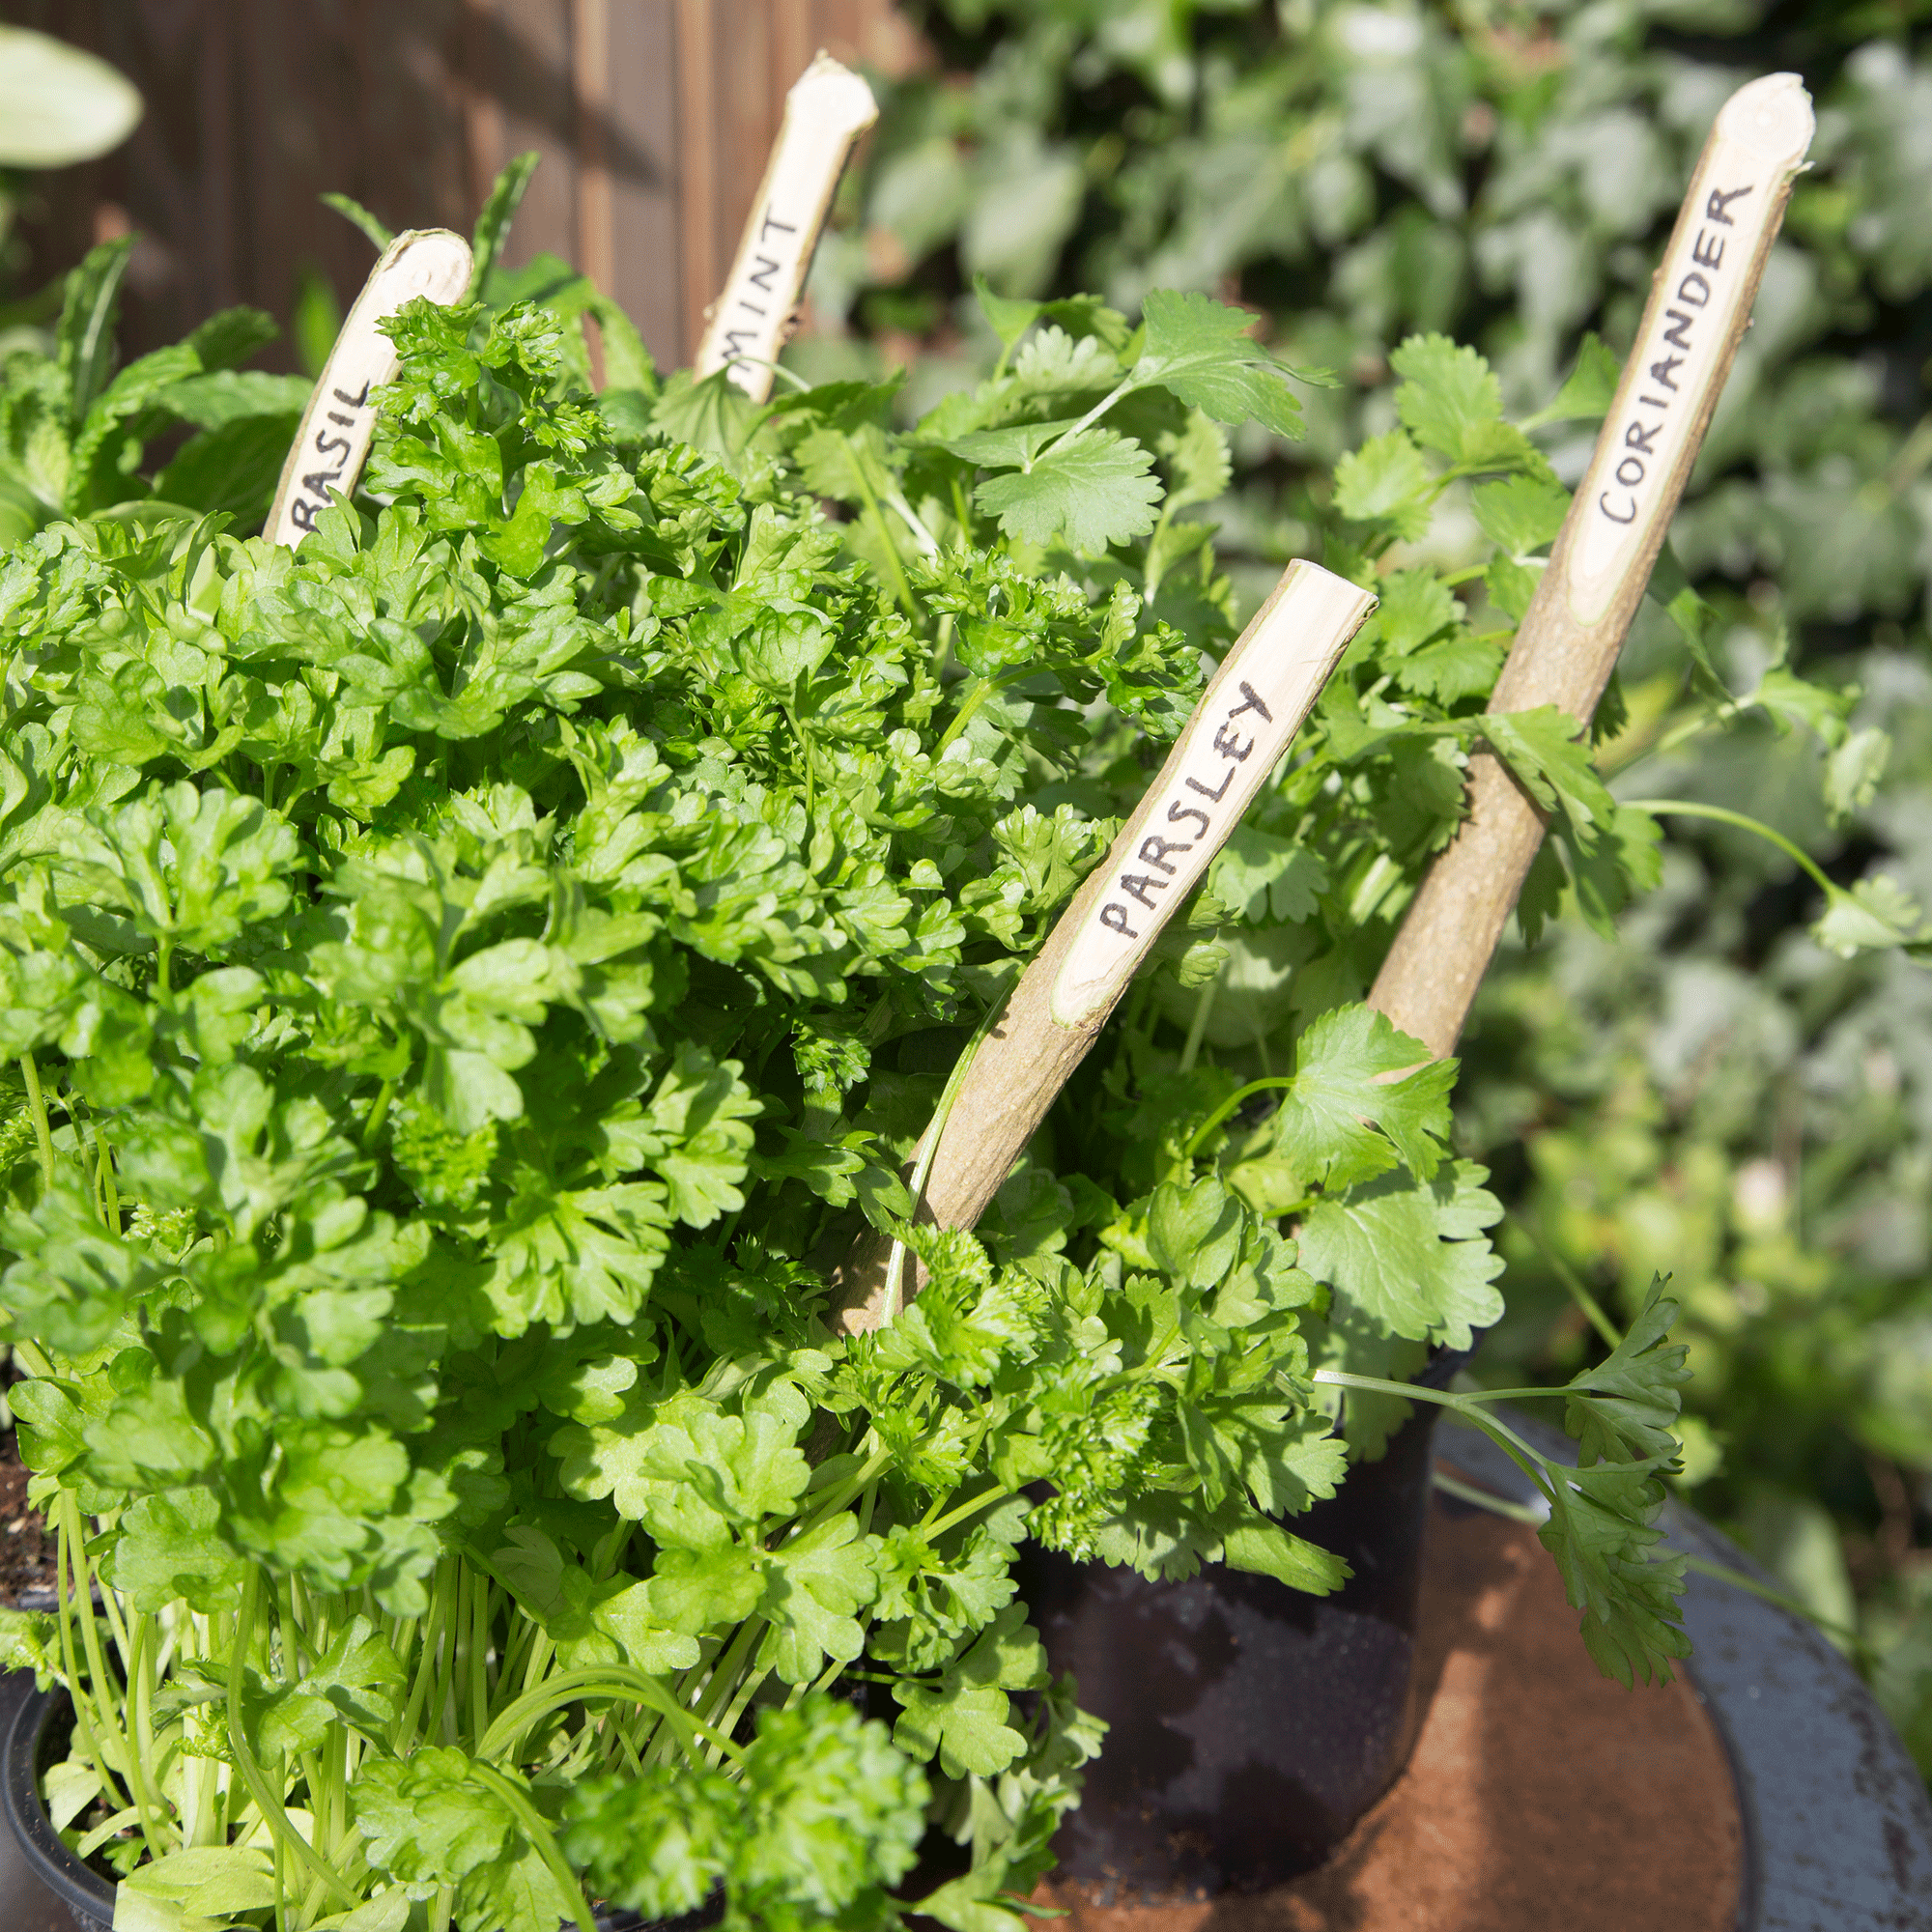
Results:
x,y
41,1883
1252,1726
1249,1724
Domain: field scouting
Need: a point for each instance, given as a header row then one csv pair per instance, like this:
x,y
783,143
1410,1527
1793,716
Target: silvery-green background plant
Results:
x,y
1711,1092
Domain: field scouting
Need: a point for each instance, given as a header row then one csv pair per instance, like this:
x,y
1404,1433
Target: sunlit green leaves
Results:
x,y
825,1812
1354,1067
1091,490
1410,1255
1201,351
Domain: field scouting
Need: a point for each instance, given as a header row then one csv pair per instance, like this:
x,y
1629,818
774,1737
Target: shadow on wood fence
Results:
x,y
654,118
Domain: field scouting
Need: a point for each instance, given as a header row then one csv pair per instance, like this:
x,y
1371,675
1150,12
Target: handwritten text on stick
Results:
x,y
332,444
1673,375
1244,722
828,108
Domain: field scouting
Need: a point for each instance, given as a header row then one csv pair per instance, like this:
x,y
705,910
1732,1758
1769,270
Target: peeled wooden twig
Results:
x,y
828,108
329,449
1251,710
1566,644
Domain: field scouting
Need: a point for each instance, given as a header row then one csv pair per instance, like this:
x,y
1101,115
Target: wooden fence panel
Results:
x,y
654,118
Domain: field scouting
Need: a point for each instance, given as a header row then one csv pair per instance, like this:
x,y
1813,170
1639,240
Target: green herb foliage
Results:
x,y
471,979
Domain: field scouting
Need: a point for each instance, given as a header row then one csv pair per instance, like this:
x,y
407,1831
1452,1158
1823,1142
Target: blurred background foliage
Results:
x,y
1711,1094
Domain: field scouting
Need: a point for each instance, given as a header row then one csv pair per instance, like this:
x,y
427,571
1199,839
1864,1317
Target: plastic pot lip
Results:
x,y
84,1892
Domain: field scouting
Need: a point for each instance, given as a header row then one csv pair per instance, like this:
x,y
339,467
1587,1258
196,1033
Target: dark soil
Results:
x,y
26,1544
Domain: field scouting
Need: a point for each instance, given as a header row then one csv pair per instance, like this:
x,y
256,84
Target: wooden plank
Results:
x,y
530,75
1245,719
590,85
701,253
333,443
641,116
1566,644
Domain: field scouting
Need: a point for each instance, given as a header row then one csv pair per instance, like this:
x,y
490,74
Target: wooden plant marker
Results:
x,y
332,444
1246,719
828,108
1568,642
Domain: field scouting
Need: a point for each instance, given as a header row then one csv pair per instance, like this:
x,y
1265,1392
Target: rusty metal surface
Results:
x,y
1838,1825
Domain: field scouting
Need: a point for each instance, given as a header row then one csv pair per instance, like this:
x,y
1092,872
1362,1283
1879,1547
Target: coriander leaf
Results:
x,y
1386,481
1194,1232
1853,770
996,448
1009,317
1512,585
1542,749
1197,462
1346,1067
1458,666
1089,490
1522,513
1448,397
1415,606
1624,1410
1201,350
1409,1255
1587,391
1871,916
1265,879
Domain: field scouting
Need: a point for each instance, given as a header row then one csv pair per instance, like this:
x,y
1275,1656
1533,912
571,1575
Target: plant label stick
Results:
x,y
828,108
332,444
1568,642
1246,719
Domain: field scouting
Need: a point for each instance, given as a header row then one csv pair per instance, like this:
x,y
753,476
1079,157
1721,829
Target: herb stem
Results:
x,y
965,1512
605,1681
1197,1028
267,1802
70,1584
1124,386
37,1109
517,1802
1686,807
983,689
1470,1406
1572,1281
895,568
1232,1105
